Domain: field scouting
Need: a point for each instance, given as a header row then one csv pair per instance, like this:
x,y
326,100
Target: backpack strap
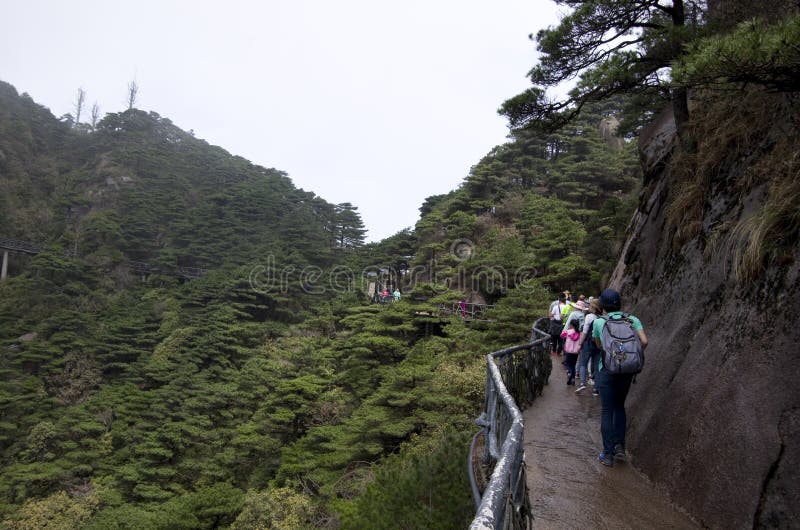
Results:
x,y
604,319
598,318
625,317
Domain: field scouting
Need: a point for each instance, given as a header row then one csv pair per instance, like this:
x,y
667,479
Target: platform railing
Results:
x,y
467,311
15,245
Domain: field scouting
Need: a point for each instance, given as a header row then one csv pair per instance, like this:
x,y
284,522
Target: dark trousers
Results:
x,y
586,358
555,335
571,359
613,421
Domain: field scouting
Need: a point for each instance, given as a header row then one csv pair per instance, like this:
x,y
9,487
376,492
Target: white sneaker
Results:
x,y
591,381
582,387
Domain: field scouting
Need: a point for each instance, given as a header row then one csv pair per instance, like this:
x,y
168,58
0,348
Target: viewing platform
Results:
x,y
8,244
467,311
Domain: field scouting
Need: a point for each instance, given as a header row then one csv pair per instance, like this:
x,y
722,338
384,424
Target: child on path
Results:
x,y
572,338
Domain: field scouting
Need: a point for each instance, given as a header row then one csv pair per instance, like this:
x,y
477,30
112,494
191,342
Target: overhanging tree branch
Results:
x,y
613,46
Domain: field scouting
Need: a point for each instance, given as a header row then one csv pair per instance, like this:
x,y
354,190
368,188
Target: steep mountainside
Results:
x,y
266,391
269,390
712,265
139,188
231,400
137,397
547,206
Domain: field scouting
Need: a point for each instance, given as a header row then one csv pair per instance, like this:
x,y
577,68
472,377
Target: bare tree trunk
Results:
x,y
133,90
680,96
680,108
79,105
95,114
75,242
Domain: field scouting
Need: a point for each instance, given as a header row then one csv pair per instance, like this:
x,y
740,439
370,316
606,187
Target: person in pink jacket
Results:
x,y
572,337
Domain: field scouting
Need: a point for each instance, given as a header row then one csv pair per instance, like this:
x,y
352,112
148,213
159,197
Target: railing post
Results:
x,y
491,418
4,269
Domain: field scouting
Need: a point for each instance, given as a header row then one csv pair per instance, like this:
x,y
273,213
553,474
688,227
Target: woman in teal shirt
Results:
x,y
613,387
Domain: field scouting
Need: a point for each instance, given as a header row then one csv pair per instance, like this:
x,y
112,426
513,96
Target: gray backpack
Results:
x,y
622,349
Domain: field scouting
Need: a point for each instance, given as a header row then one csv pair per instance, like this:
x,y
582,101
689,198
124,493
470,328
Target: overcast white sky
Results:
x,y
376,103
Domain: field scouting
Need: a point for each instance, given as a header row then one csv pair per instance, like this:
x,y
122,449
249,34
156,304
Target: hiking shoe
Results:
x,y
606,460
591,381
582,387
619,453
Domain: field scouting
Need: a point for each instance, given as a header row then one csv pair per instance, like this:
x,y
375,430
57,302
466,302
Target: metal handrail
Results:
x,y
191,272
467,311
505,503
15,245
26,247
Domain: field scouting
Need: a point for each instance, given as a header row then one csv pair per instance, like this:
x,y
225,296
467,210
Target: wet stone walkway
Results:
x,y
568,487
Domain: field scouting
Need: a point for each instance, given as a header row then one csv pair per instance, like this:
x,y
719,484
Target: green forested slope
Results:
x,y
252,397
234,400
548,206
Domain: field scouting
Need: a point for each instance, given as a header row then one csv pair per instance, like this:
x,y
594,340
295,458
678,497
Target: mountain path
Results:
x,y
569,488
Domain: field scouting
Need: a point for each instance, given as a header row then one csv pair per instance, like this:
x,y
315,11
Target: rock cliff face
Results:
x,y
715,416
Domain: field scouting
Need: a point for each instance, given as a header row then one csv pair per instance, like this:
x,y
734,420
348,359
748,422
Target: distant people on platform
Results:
x,y
624,340
572,337
396,294
385,295
462,305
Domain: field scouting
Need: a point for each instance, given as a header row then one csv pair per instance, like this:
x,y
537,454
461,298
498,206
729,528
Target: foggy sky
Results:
x,y
376,103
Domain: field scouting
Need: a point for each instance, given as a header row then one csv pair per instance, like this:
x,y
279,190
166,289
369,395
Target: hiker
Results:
x,y
613,387
463,306
556,344
385,295
589,350
578,313
554,305
569,307
571,348
396,294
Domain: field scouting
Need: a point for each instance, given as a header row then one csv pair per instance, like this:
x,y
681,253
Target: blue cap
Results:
x,y
609,298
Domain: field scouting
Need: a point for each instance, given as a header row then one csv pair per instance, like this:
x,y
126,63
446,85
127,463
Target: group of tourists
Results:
x,y
604,348
388,296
